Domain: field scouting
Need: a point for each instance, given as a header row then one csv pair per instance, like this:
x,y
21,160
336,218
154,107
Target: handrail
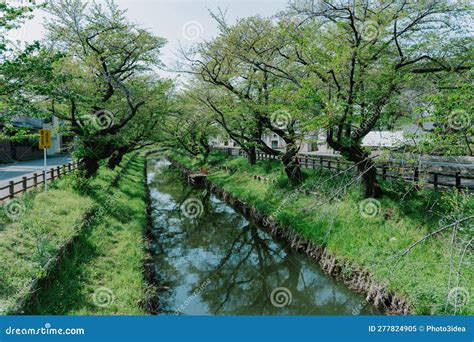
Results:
x,y
37,180
383,170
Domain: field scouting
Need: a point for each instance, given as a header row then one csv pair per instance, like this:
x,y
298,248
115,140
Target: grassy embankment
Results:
x,y
102,271
373,243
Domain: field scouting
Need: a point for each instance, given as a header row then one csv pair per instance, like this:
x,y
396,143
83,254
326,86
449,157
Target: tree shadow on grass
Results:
x,y
62,291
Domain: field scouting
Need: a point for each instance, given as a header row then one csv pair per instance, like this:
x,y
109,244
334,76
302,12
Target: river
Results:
x,y
212,261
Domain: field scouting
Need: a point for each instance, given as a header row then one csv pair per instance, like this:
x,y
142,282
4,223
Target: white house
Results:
x,y
316,142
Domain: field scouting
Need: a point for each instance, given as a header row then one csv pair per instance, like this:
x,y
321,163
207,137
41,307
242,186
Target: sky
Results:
x,y
181,22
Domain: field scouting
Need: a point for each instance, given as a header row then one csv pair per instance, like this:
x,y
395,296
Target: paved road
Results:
x,y
15,171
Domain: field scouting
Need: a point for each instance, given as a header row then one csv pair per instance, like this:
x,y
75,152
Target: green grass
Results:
x,y
49,221
102,273
421,276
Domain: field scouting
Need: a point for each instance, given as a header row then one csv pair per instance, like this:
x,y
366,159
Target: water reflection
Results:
x,y
221,264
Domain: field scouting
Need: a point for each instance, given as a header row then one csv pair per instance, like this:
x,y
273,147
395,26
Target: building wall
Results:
x,y
5,151
28,150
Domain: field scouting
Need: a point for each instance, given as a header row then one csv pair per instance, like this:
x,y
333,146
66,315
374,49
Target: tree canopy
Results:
x,y
343,68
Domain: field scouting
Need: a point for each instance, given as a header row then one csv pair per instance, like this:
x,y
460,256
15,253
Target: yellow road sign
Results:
x,y
45,139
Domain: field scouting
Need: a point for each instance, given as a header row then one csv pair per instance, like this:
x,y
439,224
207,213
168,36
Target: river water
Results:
x,y
212,261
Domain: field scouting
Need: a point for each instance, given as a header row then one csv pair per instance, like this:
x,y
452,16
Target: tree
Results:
x,y
362,57
236,64
103,81
187,126
451,117
19,64
145,128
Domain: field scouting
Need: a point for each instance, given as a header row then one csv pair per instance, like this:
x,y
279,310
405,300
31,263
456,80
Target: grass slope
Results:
x,y
373,243
103,271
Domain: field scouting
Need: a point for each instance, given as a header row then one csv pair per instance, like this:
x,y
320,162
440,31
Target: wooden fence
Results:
x,y
27,183
386,171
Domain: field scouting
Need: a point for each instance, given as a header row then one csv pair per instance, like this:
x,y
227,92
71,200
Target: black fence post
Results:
x,y
435,180
458,180
12,189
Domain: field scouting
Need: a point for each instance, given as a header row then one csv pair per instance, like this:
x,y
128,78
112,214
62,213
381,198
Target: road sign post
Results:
x,y
44,144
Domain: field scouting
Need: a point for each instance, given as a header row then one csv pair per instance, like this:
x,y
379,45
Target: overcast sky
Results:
x,y
179,21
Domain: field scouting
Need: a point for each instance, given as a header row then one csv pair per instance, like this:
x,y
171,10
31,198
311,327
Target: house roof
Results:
x,y
384,139
27,122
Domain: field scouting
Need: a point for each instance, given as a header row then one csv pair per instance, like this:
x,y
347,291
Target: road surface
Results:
x,y
15,171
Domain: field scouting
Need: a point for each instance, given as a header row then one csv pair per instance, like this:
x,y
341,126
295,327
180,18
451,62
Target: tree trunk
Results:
x,y
89,166
291,164
368,171
115,160
252,155
365,166
372,188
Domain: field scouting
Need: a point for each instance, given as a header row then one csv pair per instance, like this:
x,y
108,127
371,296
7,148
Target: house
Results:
x,y
28,149
315,143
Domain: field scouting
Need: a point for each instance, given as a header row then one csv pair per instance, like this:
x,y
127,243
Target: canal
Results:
x,y
212,261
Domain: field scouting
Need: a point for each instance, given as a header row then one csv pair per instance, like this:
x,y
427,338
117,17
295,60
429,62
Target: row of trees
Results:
x,y
344,67
95,71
